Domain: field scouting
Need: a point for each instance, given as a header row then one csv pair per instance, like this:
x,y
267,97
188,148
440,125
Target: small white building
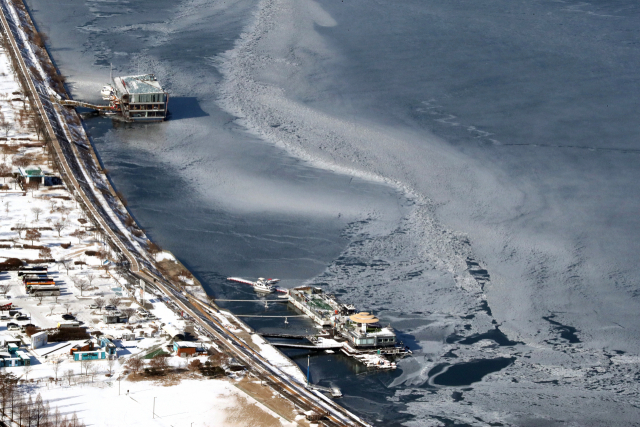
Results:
x,y
173,332
38,340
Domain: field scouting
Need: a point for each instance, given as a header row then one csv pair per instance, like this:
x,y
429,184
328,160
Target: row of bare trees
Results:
x,y
158,365
58,225
18,405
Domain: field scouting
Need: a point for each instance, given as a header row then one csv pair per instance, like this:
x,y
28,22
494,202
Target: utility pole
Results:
x,y
308,364
154,407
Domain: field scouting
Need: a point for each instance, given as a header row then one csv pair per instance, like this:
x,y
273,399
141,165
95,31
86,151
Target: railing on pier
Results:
x,y
71,103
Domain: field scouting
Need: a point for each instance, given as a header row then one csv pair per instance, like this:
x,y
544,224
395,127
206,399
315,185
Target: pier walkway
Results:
x,y
72,103
334,345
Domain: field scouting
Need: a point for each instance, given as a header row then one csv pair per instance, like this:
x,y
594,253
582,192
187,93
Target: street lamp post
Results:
x,y
154,407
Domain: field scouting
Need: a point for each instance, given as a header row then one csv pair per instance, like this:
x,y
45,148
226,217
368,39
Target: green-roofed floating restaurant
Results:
x,y
138,98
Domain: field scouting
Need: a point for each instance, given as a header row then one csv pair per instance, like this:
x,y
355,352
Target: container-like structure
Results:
x,y
139,98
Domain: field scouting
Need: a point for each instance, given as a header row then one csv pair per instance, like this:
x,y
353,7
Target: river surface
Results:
x,y
466,170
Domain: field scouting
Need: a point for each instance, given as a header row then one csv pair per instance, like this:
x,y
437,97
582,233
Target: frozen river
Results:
x,y
467,170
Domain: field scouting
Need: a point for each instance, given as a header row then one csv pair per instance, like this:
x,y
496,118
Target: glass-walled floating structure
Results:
x,y
139,98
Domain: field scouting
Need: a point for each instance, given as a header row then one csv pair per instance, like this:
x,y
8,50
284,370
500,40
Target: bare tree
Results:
x,y
27,370
56,418
86,364
99,302
159,363
6,206
102,255
4,288
79,234
128,312
115,301
90,278
81,284
33,186
32,234
65,210
7,387
135,364
37,211
55,367
19,228
154,249
39,412
6,127
60,225
93,370
51,308
40,298
5,171
24,409
68,375
45,253
67,264
23,161
66,306
110,364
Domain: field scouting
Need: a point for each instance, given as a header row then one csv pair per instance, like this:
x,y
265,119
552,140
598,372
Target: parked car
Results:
x,y
13,327
68,317
20,316
93,306
110,307
4,317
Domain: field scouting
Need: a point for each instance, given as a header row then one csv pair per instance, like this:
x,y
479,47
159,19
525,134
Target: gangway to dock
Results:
x,y
260,315
321,346
261,301
334,391
72,103
289,336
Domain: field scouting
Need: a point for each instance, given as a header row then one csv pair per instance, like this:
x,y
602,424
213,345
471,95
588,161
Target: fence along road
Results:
x,y
61,136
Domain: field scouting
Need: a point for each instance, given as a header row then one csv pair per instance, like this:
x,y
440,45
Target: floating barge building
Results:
x,y
359,335
137,98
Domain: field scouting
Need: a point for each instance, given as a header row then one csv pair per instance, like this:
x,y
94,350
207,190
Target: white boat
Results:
x,y
107,92
261,285
264,286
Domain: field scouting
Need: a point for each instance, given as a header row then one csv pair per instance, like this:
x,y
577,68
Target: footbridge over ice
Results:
x,y
72,103
322,345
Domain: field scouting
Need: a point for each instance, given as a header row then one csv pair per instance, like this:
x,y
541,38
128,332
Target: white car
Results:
x,y
93,306
13,327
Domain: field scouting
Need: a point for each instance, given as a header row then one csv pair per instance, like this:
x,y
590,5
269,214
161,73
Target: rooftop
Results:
x,y
186,344
35,172
144,83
